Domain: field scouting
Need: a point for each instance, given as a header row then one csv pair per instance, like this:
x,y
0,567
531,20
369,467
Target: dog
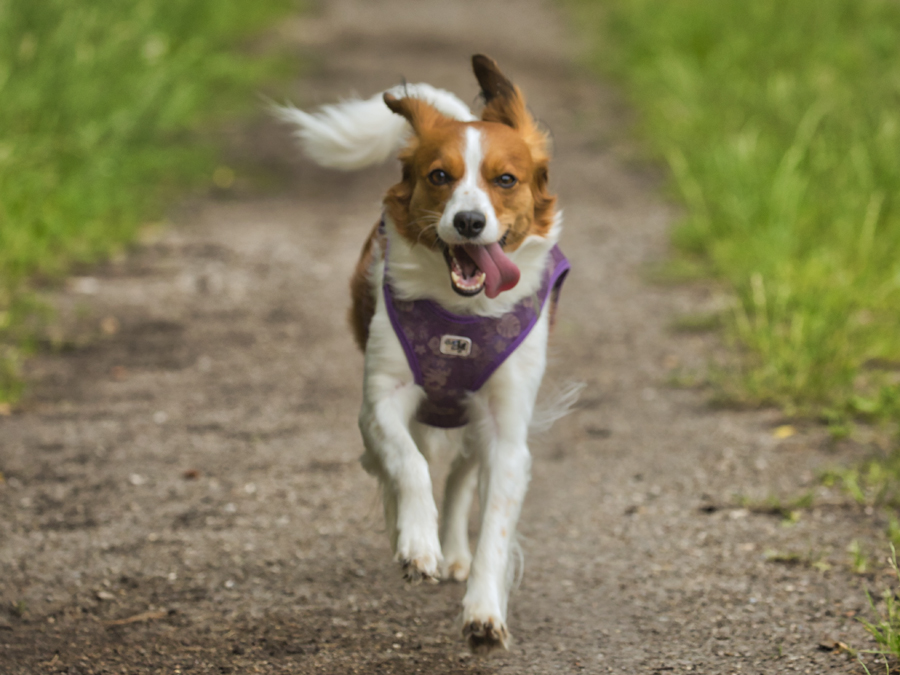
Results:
x,y
453,299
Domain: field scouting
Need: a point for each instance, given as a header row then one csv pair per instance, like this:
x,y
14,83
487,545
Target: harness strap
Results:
x,y
452,355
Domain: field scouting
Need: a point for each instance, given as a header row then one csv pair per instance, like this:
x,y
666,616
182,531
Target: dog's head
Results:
x,y
474,190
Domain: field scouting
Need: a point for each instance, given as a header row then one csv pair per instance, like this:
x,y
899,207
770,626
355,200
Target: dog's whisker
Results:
x,y
427,227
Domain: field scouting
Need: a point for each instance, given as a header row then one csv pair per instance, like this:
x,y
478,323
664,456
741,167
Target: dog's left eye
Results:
x,y
439,177
507,180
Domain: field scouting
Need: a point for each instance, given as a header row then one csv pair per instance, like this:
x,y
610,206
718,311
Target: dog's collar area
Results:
x,y
452,355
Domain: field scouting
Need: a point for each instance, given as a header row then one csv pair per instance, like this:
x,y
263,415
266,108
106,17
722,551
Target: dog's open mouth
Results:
x,y
476,268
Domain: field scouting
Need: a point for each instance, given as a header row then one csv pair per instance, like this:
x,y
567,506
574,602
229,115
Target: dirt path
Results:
x,y
183,495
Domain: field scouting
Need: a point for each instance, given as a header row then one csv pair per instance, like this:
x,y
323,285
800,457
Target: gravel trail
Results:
x,y
182,491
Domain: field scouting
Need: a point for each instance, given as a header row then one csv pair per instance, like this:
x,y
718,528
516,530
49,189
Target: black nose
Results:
x,y
469,223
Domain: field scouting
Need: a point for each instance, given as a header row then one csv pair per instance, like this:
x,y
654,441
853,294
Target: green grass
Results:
x,y
886,628
873,482
780,124
106,114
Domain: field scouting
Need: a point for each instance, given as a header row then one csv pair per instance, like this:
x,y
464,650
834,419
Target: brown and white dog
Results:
x,y
470,228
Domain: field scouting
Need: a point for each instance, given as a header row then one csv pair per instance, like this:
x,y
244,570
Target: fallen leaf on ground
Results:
x,y
109,325
223,177
831,645
784,431
151,615
84,285
5,410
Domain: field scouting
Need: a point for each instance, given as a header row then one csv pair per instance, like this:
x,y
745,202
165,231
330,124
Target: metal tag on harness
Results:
x,y
455,345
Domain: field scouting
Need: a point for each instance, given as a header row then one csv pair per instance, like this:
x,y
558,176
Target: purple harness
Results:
x,y
451,355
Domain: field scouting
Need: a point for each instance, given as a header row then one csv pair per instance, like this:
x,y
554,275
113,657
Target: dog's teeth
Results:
x,y
475,282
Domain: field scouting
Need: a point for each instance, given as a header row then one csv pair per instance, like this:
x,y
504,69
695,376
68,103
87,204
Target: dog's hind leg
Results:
x,y
458,494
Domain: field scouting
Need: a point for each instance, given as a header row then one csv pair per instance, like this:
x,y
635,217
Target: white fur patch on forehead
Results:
x,y
474,155
469,195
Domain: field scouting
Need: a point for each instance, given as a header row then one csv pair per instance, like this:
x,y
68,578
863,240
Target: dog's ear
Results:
x,y
420,114
493,83
505,104
503,100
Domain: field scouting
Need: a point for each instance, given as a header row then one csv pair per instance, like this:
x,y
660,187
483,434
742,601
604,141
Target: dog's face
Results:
x,y
474,190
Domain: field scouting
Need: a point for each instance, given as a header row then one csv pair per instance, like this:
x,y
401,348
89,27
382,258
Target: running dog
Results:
x,y
452,302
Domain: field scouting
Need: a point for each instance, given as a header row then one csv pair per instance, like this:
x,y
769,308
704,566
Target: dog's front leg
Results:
x,y
391,453
503,481
501,414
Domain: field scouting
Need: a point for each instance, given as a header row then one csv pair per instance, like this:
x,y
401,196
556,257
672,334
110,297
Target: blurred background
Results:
x,y
110,111
778,125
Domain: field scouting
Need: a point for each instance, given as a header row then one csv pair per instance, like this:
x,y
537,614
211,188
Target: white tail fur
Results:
x,y
356,133
555,405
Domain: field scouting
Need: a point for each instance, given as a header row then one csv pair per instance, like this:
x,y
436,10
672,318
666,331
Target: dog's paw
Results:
x,y
420,569
486,635
419,553
456,568
419,549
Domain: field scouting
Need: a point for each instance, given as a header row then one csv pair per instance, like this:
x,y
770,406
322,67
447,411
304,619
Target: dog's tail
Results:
x,y
555,405
356,133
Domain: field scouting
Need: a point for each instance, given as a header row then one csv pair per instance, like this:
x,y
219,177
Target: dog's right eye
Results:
x,y
439,177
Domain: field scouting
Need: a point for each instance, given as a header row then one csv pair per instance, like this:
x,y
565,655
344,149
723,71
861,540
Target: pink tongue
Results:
x,y
499,271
